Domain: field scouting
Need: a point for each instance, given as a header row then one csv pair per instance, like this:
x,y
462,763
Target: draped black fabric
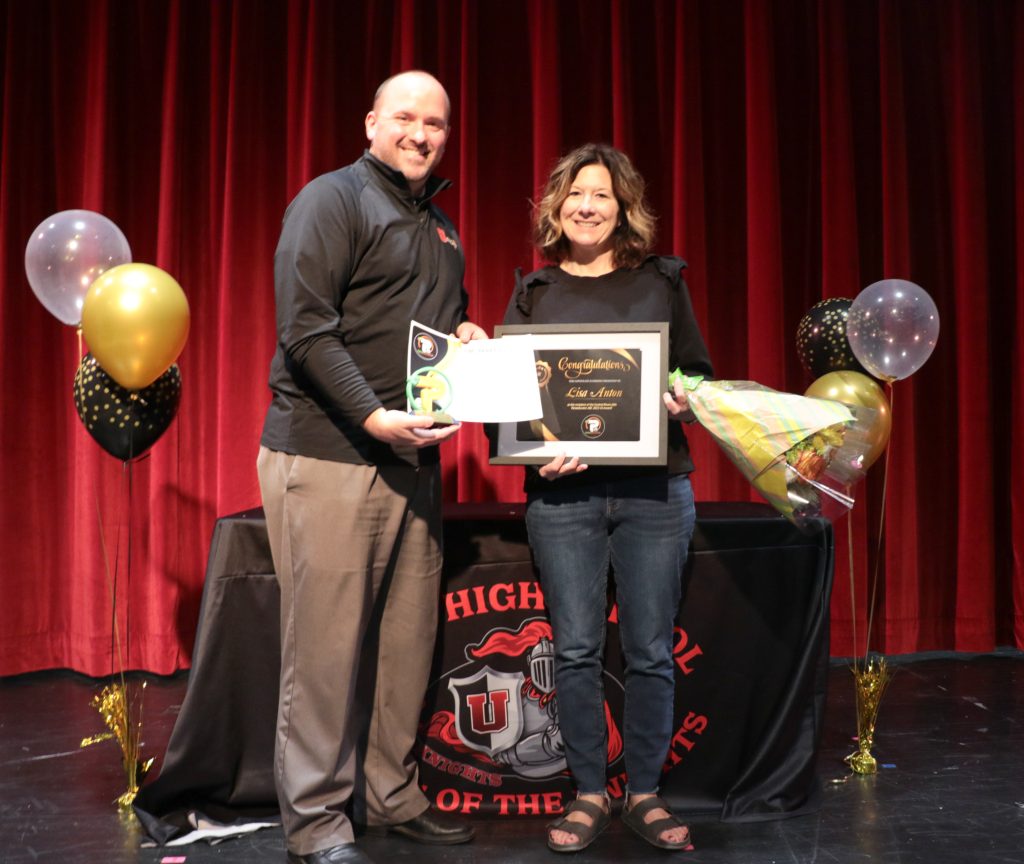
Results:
x,y
751,654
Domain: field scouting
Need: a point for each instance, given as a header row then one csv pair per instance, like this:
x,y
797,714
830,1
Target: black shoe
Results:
x,y
431,826
347,853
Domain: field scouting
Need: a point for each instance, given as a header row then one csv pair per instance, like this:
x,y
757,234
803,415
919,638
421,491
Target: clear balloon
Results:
x,y
858,391
67,253
892,326
135,320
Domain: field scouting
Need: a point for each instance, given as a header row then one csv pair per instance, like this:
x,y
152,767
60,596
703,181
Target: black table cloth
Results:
x,y
751,656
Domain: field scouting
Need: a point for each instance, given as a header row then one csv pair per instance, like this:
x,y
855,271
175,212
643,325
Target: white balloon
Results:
x,y
66,253
892,328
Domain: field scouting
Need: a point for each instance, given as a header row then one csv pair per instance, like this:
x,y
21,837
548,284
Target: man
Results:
x,y
351,482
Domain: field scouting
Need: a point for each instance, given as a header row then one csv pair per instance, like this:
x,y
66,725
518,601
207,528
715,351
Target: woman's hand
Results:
x,y
560,467
677,403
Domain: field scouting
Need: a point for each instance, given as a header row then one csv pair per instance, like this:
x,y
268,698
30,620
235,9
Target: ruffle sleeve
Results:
x,y
520,304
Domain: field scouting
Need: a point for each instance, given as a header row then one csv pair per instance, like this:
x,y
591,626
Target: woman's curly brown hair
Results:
x,y
634,236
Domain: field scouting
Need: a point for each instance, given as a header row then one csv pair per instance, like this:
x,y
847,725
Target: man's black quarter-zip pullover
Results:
x,y
359,257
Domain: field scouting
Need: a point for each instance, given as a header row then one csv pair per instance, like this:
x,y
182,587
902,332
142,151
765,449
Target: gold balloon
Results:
x,y
135,320
856,389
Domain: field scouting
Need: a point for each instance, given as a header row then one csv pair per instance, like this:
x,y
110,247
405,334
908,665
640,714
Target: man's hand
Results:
x,y
467,331
560,467
397,427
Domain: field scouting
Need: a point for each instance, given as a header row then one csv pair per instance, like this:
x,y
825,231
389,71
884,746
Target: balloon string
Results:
x,y
115,636
881,530
122,494
128,571
127,478
853,598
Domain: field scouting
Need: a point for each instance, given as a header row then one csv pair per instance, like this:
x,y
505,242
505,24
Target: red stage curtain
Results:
x,y
794,151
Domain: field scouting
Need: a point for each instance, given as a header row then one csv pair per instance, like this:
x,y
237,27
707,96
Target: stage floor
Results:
x,y
950,787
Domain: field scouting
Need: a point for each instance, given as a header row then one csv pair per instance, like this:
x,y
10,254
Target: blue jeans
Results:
x,y
642,527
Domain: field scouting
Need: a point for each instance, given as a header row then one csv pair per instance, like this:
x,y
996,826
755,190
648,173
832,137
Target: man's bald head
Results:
x,y
413,77
408,126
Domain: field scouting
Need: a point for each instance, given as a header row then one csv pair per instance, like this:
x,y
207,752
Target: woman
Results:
x,y
595,227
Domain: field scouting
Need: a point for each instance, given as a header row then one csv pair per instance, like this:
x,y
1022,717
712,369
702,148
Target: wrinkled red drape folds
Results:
x,y
794,150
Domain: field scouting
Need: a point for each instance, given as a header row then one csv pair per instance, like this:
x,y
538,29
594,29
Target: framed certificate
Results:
x,y
600,388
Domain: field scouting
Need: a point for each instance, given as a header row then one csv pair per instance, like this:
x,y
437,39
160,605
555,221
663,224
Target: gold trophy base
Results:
x,y
862,762
439,417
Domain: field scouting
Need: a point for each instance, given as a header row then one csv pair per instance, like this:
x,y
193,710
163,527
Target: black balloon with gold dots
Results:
x,y
821,341
125,423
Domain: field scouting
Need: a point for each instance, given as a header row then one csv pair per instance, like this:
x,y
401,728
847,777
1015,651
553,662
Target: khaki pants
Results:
x,y
357,551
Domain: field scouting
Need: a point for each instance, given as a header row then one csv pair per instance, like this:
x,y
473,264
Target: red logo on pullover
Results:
x,y
446,239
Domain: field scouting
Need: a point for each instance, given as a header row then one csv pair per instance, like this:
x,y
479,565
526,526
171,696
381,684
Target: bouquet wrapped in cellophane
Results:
x,y
801,453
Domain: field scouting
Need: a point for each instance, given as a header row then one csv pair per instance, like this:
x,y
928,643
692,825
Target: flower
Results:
x,y
797,451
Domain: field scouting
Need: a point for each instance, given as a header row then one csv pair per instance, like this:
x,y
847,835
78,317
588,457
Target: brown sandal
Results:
x,y
599,819
652,831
